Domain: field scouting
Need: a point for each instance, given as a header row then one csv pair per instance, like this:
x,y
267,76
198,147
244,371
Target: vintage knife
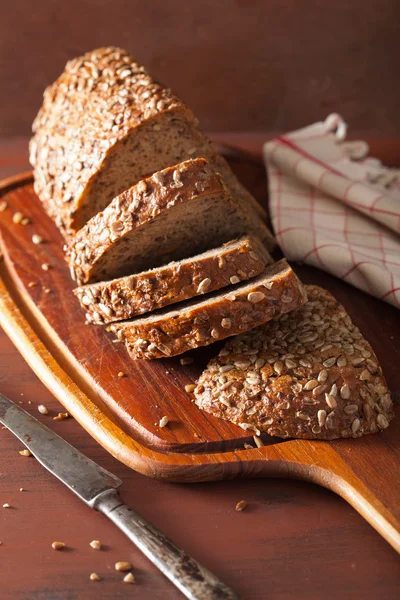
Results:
x,y
98,488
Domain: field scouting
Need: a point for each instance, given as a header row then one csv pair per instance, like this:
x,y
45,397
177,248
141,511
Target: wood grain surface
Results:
x,y
248,64
250,582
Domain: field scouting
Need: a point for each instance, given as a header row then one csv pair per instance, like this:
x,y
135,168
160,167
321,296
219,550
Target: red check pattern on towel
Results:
x,y
335,208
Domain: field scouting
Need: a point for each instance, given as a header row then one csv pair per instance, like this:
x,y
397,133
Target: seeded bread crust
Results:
x,y
88,116
105,248
127,297
309,374
220,315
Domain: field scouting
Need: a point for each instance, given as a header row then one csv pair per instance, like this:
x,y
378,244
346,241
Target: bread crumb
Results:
x,y
43,409
95,544
25,452
58,545
163,422
94,577
129,578
123,565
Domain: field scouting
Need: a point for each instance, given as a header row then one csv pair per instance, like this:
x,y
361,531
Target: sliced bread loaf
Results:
x,y
104,125
169,216
126,297
309,374
220,315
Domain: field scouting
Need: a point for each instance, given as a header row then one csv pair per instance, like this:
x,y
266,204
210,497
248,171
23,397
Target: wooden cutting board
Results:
x,y
80,365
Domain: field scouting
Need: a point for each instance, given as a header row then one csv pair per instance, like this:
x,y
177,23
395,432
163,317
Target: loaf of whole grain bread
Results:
x,y
171,215
307,374
220,315
104,125
127,297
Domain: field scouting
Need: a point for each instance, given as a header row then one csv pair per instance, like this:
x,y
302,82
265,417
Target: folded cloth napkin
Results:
x,y
335,208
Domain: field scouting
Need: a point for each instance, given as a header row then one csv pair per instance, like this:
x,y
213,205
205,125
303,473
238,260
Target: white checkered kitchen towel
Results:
x,y
335,208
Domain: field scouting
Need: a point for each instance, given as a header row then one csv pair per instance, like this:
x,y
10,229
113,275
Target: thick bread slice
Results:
x,y
309,374
173,214
220,315
127,297
104,125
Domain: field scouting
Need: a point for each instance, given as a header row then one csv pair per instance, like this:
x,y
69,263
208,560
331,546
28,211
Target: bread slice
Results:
x,y
309,374
220,315
171,215
127,297
104,125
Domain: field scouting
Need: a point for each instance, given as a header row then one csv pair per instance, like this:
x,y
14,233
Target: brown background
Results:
x,y
240,64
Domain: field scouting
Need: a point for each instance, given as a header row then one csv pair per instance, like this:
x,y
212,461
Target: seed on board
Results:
x,y
3,205
129,578
241,505
47,290
17,217
123,565
58,545
61,416
25,452
95,544
345,392
45,266
6,505
37,239
190,388
255,297
43,409
186,360
163,421
94,577
21,489
32,284
121,374
25,221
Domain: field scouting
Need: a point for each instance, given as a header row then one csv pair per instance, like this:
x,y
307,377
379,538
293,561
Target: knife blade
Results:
x,y
97,487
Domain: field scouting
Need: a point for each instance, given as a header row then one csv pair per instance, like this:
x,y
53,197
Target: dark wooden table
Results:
x,y
295,540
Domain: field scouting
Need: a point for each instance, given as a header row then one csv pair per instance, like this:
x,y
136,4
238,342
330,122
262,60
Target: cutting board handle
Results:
x,y
372,487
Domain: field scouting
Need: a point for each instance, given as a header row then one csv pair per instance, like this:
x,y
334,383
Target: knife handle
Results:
x,y
191,578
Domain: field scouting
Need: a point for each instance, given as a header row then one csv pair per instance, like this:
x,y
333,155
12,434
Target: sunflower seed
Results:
x,y
345,392
204,285
310,385
329,362
382,421
255,297
321,417
350,409
322,376
355,426
330,400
